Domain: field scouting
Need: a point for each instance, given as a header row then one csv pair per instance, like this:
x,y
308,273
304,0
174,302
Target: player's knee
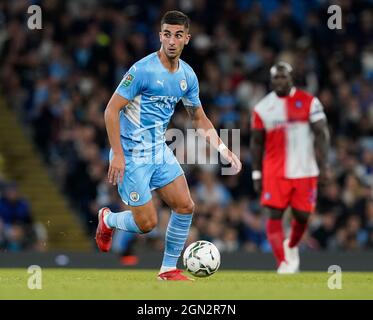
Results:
x,y
190,207
274,213
187,207
301,217
148,225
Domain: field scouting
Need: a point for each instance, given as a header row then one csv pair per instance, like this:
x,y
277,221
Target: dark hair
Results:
x,y
176,17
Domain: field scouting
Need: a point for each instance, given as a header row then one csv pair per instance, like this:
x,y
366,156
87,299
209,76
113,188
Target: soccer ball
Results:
x,y
201,258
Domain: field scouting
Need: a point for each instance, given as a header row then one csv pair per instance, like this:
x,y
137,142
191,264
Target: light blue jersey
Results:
x,y
152,92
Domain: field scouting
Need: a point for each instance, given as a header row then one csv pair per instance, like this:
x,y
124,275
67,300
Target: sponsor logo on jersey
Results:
x,y
128,79
183,85
164,101
278,124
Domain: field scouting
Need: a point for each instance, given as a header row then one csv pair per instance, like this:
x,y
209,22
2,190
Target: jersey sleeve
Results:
x,y
191,97
316,111
256,121
132,83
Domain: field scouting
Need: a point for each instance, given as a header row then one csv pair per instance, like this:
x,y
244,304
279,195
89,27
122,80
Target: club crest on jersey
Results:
x,y
267,196
183,85
134,196
299,104
128,79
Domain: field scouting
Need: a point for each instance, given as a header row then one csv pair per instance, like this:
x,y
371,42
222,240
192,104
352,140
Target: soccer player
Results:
x,y
289,147
136,119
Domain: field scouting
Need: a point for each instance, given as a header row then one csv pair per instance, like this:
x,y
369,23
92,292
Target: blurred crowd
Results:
x,y
59,79
17,230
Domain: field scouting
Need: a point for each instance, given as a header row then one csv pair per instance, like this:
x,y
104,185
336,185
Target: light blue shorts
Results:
x,y
144,174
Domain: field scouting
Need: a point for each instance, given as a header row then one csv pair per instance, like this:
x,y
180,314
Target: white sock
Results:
x,y
105,220
165,269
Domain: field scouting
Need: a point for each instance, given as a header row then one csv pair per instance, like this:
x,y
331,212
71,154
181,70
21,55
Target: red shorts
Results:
x,y
280,193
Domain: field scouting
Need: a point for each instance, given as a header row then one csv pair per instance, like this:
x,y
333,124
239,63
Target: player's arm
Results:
x,y
257,151
319,127
117,164
127,90
257,142
321,145
207,130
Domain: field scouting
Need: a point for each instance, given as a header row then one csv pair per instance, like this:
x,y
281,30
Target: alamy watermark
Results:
x,y
35,279
189,147
35,19
335,280
335,20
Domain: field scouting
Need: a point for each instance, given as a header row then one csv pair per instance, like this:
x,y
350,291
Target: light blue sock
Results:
x,y
123,221
176,235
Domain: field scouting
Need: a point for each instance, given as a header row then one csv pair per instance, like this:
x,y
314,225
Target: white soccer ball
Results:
x,y
201,258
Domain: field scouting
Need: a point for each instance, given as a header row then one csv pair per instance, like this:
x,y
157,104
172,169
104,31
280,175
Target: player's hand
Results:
x,y
325,176
233,160
258,186
236,163
116,169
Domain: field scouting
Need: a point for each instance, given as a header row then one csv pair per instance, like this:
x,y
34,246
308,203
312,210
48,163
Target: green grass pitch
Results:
x,y
224,285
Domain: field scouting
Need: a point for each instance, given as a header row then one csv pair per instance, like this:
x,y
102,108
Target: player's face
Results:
x,y
173,38
281,82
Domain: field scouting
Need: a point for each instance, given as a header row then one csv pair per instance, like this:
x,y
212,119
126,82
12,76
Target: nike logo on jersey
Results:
x,y
160,82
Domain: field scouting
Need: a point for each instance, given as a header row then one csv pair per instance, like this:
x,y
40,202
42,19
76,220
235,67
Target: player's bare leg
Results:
x,y
145,216
298,227
177,196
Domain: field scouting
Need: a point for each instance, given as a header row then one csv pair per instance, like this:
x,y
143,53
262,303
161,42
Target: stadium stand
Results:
x,y
58,80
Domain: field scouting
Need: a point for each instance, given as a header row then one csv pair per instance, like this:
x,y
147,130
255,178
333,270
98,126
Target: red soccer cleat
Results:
x,y
174,275
104,235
